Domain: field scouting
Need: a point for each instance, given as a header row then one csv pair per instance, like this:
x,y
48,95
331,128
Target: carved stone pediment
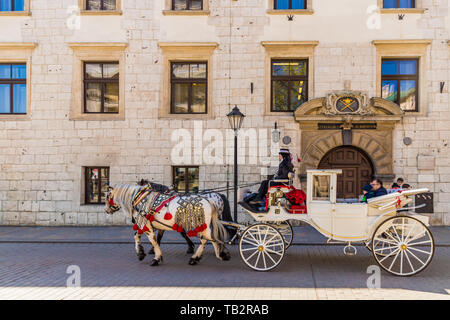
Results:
x,y
348,105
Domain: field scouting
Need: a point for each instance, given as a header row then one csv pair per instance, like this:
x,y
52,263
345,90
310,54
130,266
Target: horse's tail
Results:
x,y
226,213
219,233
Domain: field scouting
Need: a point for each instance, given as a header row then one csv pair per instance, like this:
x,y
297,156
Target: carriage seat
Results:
x,y
288,181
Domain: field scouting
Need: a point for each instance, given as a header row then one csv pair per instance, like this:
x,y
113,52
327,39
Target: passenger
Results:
x,y
284,169
398,184
377,189
366,189
406,186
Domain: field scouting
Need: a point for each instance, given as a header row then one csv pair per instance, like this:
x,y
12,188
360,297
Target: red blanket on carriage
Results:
x,y
297,198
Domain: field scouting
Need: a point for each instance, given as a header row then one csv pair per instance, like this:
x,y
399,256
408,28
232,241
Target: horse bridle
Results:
x,y
114,207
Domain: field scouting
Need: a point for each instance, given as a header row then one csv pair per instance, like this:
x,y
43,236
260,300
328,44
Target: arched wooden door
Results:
x,y
357,170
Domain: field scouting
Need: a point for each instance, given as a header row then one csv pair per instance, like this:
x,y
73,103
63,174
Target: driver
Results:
x,y
284,168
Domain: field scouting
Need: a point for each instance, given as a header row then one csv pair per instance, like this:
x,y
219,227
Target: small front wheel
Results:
x,y
403,246
262,247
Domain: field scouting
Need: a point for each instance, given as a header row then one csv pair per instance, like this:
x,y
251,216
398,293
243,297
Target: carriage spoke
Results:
x,y
251,235
420,235
393,261
403,230
416,243
413,226
385,248
250,242
265,235
384,241
390,254
257,258
409,261
270,257
395,230
271,238
264,260
401,261
273,245
274,252
248,249
426,252
414,256
251,256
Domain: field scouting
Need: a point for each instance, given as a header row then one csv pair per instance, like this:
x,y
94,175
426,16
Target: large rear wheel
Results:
x,y
403,246
261,247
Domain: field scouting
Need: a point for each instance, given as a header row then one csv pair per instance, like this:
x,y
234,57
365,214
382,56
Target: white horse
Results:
x,y
194,214
219,200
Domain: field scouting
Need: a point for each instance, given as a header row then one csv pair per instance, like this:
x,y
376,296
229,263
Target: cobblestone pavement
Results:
x,y
112,271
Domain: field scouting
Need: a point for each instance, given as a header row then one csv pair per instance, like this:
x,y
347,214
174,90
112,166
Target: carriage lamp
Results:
x,y
236,118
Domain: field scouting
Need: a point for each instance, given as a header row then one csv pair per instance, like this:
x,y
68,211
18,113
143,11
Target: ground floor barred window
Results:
x,y
96,184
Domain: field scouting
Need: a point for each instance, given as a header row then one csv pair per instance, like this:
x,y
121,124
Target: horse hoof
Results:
x,y
190,250
151,251
225,256
154,263
141,256
192,261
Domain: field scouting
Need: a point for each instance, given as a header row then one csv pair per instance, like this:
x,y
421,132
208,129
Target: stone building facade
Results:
x,y
44,154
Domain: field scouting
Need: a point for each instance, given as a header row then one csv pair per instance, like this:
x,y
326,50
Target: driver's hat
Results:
x,y
284,151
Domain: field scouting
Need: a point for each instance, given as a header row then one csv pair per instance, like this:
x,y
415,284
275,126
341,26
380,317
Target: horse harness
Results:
x,y
190,215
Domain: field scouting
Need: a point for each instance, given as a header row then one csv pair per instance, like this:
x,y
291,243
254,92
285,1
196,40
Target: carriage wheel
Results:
x,y
261,247
286,230
403,246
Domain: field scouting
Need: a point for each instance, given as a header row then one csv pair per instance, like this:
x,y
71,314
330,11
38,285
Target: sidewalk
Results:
x,y
305,235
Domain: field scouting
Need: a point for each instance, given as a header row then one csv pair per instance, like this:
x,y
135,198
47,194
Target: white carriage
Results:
x,y
401,244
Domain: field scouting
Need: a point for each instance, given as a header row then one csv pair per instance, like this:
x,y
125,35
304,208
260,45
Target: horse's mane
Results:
x,y
124,194
155,186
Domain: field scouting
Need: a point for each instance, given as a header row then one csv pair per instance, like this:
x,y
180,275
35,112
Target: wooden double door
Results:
x,y
357,170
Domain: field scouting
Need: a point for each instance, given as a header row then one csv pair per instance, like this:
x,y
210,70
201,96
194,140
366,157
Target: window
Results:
x,y
97,180
101,87
187,4
399,82
189,87
391,4
289,4
186,179
321,188
12,5
99,5
13,89
289,84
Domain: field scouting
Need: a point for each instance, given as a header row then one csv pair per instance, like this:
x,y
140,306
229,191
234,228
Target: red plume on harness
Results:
x,y
111,201
399,202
